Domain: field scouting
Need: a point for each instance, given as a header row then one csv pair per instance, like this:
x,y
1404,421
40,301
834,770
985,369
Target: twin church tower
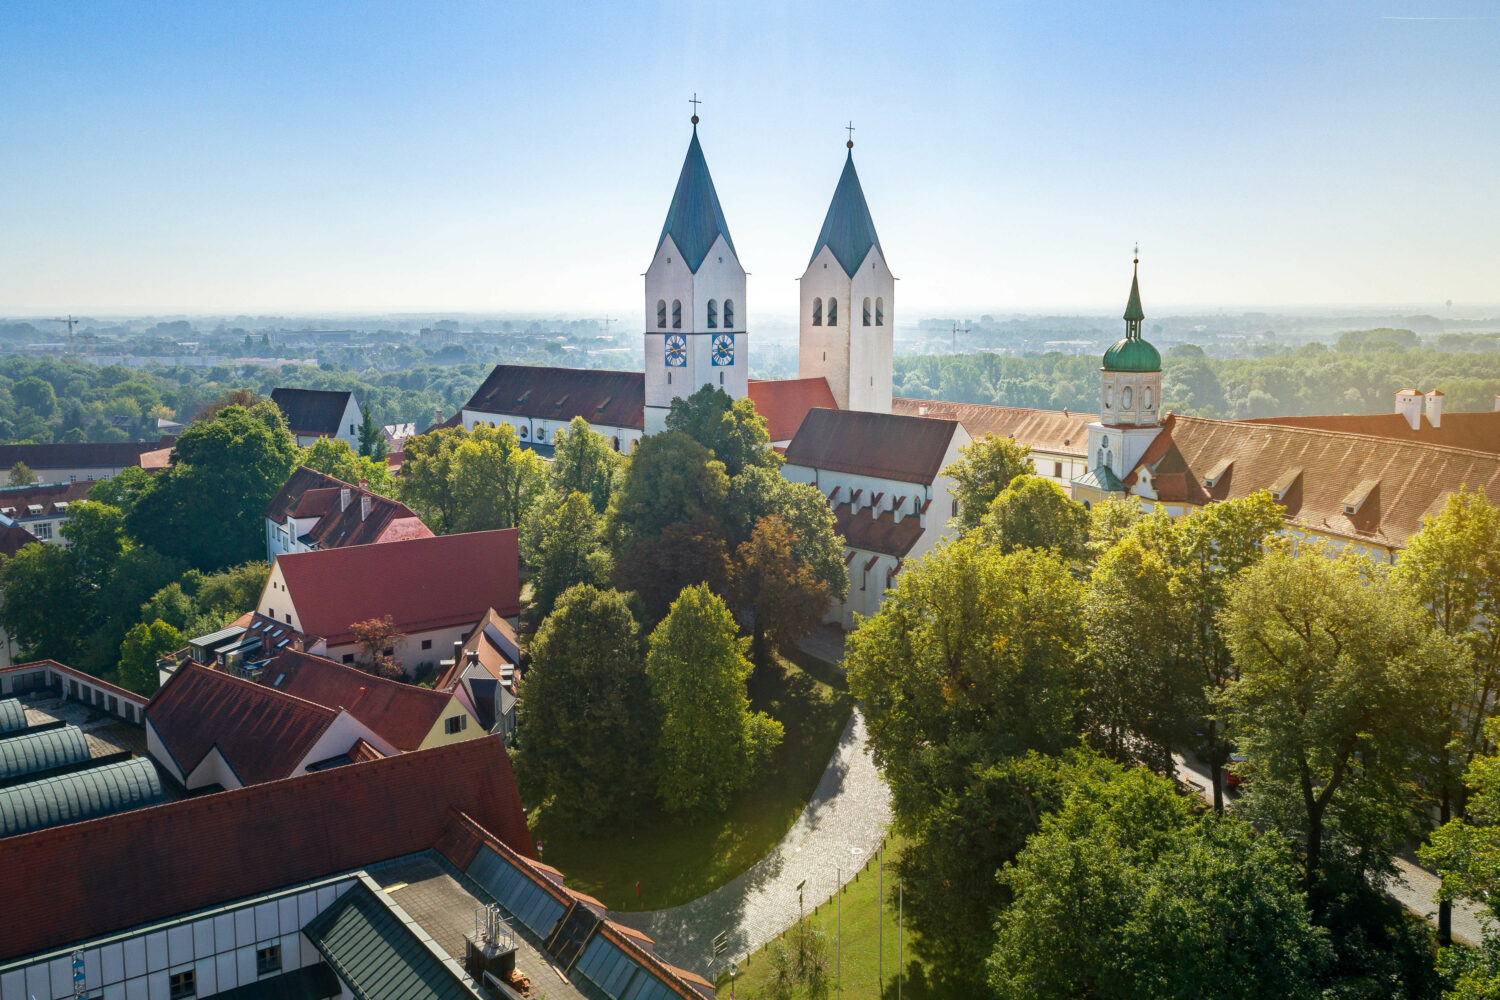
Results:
x,y
696,316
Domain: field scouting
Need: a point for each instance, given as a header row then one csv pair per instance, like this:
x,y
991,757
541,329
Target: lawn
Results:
x,y
859,954
679,858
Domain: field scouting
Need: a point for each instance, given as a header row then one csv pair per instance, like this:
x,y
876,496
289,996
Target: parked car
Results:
x,y
1235,772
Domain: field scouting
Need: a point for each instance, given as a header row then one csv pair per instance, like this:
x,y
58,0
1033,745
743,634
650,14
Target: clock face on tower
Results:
x,y
723,353
676,348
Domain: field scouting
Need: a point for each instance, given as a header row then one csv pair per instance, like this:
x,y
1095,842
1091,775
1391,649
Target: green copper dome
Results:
x,y
1132,354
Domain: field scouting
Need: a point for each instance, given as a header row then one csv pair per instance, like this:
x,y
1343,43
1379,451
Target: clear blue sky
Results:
x,y
371,157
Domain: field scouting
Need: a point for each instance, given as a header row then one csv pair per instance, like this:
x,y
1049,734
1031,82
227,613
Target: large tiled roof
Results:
x,y
309,493
30,752
694,219
311,411
877,534
1472,431
184,856
262,733
1393,483
785,402
401,714
95,455
1058,432
603,398
17,501
848,230
881,445
13,538
72,798
422,583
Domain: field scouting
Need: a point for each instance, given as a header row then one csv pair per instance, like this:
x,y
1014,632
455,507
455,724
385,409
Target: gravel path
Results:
x,y
836,834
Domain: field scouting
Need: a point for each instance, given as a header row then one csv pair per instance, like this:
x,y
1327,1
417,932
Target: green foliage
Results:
x,y
142,646
986,467
1034,513
561,544
371,441
586,712
1341,705
334,457
1109,520
782,595
20,475
36,395
800,962
460,481
1125,893
42,602
711,745
759,492
123,490
583,461
731,430
424,484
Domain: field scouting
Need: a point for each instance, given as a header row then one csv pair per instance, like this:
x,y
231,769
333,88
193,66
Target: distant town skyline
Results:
x,y
382,158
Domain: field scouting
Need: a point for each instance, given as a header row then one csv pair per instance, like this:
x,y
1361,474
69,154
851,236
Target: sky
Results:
x,y
365,157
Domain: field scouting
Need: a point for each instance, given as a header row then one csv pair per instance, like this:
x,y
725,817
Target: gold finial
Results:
x,y
850,129
695,102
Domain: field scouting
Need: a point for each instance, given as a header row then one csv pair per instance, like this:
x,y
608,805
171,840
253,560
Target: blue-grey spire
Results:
x,y
848,230
695,219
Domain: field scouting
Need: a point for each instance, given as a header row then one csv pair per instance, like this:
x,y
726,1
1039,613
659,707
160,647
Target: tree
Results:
x,y
371,439
584,462
245,398
493,480
376,638
585,712
561,544
142,647
759,492
1340,705
986,467
782,595
799,961
42,602
334,457
1150,900
711,745
123,490
670,479
425,481
36,395
732,430
1034,513
21,475
1109,520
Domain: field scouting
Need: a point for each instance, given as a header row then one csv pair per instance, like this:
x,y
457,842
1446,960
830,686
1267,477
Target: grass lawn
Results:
x,y
859,956
679,858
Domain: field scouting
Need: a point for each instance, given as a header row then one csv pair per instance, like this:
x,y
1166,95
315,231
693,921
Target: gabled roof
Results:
x,y
1400,482
603,398
13,538
312,411
89,455
54,499
785,402
401,714
1057,432
422,583
1478,431
882,445
877,534
263,734
848,230
695,219
184,856
495,646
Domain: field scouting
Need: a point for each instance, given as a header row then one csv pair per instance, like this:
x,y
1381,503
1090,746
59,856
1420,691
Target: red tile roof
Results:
x,y
401,714
183,856
877,534
881,445
309,493
422,583
15,501
1471,431
1320,470
13,537
1059,432
263,734
603,398
785,402
362,752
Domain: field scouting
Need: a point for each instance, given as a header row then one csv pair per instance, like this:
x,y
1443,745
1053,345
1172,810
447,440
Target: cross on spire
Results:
x,y
695,102
850,129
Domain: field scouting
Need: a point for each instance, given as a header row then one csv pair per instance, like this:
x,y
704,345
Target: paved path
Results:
x,y
1416,888
836,834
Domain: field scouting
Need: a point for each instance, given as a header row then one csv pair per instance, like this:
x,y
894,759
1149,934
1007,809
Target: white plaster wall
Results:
x,y
871,347
276,602
719,277
545,431
824,350
408,650
338,738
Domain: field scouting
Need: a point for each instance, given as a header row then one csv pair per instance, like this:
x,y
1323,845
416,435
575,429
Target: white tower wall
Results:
x,y
854,358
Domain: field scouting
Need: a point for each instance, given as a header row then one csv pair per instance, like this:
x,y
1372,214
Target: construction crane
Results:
x,y
71,322
956,331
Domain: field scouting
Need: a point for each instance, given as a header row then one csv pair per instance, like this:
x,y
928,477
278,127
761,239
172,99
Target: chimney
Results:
x,y
458,652
364,506
922,408
1409,405
473,657
343,498
1435,408
364,484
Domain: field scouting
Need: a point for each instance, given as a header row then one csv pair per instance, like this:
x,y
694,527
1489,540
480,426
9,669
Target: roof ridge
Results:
x,y
1395,442
219,675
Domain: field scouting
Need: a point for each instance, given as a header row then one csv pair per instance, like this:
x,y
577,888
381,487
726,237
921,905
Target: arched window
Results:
x,y
867,310
833,311
1109,396
661,314
1146,398
677,314
880,312
817,312
1125,398
713,314
729,314
524,431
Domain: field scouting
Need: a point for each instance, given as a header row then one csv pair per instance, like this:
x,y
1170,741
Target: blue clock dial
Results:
x,y
723,349
676,348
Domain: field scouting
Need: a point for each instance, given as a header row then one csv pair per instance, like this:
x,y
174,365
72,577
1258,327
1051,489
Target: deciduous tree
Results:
x,y
1034,513
561,543
334,457
20,475
493,480
986,467
142,647
376,638
731,430
583,461
782,595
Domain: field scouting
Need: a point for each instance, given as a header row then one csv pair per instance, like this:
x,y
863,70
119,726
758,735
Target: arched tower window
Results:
x,y
817,312
1146,397
677,314
1109,396
1125,398
729,314
713,314
880,312
867,310
833,311
661,314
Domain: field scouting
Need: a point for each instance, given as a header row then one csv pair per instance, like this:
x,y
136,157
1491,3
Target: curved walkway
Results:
x,y
843,824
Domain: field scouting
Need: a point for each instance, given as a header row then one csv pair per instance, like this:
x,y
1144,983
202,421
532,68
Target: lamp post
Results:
x,y
801,933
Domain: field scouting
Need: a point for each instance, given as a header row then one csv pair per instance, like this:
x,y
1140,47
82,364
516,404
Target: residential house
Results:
x,y
319,413
42,508
433,589
314,510
1058,439
484,673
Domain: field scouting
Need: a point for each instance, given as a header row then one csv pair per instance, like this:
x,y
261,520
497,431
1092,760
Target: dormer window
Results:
x,y
661,314
817,312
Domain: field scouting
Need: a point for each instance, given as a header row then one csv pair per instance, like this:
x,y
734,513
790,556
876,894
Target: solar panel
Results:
x,y
526,901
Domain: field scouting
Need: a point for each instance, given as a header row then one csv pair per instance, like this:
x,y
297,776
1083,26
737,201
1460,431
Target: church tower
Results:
x,y
848,303
1130,403
695,298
